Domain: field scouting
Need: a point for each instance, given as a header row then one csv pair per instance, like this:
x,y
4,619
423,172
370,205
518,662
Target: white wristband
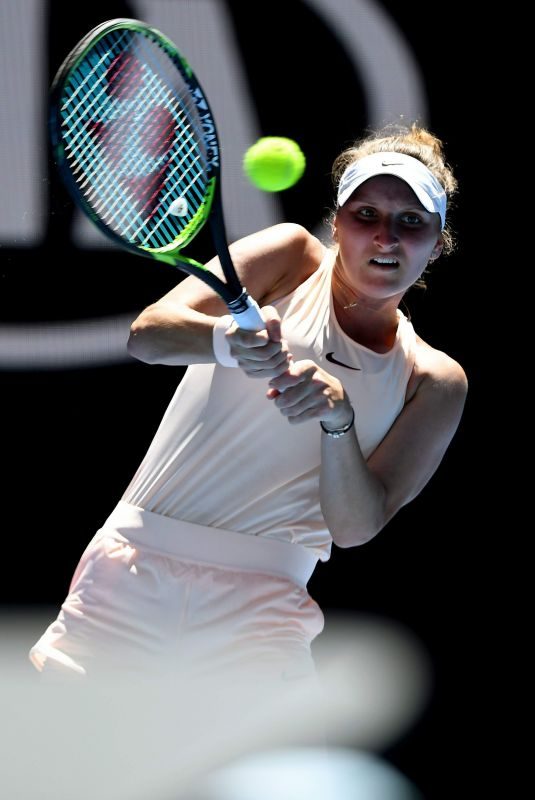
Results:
x,y
220,342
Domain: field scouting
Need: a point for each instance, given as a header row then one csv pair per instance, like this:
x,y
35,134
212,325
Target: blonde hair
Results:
x,y
413,141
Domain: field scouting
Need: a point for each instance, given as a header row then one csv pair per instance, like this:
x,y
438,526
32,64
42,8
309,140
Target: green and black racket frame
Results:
x,y
136,144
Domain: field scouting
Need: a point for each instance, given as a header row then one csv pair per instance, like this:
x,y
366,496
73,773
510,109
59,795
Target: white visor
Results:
x,y
423,183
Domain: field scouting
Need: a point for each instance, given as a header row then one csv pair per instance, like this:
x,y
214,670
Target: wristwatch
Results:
x,y
338,432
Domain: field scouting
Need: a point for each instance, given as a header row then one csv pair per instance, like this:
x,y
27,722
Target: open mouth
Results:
x,y
384,262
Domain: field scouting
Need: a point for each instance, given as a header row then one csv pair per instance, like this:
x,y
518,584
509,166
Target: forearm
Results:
x,y
352,499
172,334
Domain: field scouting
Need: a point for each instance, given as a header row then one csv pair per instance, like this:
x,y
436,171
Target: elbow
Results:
x,y
352,536
350,527
355,532
139,341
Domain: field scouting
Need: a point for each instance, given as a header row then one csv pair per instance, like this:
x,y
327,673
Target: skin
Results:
x,y
382,220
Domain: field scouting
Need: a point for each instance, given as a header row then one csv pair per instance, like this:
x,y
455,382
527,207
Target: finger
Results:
x,y
299,372
249,340
271,369
296,398
272,355
304,416
304,409
265,374
257,351
272,319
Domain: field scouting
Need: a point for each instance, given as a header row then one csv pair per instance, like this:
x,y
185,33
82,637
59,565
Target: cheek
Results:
x,y
420,262
351,242
421,250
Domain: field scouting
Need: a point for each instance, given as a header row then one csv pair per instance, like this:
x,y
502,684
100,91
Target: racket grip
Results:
x,y
246,312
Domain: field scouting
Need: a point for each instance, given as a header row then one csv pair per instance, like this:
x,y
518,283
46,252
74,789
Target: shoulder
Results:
x,y
277,259
283,235
437,375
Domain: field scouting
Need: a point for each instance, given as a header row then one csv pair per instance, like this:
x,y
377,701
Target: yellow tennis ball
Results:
x,y
274,163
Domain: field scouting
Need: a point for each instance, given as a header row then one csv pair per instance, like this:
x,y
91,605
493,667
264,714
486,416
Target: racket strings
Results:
x,y
133,139
186,179
117,133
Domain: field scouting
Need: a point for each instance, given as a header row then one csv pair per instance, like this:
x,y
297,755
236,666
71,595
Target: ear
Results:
x,y
437,250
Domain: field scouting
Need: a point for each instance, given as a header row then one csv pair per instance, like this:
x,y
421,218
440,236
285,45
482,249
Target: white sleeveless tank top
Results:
x,y
225,457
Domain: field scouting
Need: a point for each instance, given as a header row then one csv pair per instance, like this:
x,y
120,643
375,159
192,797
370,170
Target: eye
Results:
x,y
366,212
411,219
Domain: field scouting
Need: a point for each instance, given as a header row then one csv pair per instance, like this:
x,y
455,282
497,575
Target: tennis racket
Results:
x,y
135,141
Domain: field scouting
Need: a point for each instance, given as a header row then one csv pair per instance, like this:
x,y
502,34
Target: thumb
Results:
x,y
273,323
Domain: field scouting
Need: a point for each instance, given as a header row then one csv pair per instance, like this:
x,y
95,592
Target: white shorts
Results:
x,y
152,593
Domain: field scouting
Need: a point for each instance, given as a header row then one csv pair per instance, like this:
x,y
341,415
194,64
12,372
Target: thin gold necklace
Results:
x,y
347,291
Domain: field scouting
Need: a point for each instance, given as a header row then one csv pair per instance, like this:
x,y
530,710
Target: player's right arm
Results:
x,y
178,328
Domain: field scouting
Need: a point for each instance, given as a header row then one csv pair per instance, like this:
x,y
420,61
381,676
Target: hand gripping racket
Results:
x,y
136,144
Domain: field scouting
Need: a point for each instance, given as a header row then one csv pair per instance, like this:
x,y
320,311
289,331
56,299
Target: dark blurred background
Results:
x,y
79,414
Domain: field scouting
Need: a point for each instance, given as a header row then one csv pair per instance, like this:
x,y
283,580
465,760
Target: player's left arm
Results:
x,y
359,497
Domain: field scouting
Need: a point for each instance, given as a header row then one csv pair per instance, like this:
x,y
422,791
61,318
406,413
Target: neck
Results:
x,y
371,321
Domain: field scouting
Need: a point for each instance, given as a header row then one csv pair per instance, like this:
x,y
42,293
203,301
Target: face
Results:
x,y
385,237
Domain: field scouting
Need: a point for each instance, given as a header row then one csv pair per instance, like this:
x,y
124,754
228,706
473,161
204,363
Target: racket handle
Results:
x,y
246,312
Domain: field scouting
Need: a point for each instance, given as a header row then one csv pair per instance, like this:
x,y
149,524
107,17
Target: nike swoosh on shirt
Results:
x,y
330,357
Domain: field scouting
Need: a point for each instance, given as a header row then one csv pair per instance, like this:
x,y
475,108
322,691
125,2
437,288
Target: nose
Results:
x,y
385,234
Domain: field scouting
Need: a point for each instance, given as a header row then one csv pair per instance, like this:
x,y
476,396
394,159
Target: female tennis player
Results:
x,y
203,565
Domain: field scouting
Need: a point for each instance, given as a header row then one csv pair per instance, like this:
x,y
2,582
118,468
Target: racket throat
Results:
x,y
241,303
246,312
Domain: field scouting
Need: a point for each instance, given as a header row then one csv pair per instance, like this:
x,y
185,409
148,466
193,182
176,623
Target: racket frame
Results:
x,y
239,302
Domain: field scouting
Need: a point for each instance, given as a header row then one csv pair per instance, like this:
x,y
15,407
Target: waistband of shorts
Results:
x,y
216,546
